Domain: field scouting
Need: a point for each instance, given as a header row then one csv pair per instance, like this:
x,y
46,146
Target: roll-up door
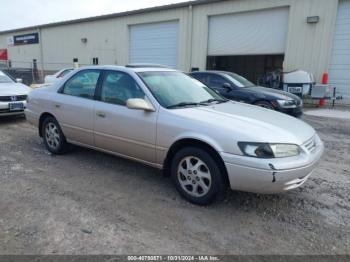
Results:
x,y
154,43
339,73
249,33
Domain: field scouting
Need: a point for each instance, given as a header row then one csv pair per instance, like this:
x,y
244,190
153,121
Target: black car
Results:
x,y
236,87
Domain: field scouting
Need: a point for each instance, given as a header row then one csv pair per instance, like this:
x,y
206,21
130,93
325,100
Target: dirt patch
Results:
x,y
87,202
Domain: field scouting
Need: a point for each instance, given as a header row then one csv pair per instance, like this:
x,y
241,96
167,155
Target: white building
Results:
x,y
249,37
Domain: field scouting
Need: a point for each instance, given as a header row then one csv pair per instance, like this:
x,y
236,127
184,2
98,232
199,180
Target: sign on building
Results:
x,y
26,39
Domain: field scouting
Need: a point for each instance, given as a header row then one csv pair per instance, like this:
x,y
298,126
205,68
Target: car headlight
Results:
x,y
287,103
265,150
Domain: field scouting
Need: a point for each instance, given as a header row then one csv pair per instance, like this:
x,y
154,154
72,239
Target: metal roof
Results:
x,y
114,15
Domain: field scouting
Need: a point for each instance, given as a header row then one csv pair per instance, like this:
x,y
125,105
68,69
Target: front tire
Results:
x,y
197,176
54,140
265,104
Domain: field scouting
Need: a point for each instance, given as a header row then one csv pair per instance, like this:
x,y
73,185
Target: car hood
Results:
x,y
277,94
13,89
249,123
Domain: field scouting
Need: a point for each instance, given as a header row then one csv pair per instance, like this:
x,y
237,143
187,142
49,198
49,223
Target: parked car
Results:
x,y
49,79
13,95
168,120
236,87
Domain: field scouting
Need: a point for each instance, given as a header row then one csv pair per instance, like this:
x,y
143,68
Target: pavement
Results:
x,y
330,113
91,203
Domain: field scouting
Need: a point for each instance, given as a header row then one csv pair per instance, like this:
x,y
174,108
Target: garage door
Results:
x,y
340,64
154,43
249,33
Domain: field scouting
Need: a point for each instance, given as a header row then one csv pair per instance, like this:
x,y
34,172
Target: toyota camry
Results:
x,y
168,120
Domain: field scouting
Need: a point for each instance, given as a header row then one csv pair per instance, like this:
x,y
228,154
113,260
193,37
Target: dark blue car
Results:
x,y
237,88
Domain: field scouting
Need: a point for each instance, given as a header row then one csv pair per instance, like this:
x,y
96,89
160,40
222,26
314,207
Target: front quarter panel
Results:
x,y
172,128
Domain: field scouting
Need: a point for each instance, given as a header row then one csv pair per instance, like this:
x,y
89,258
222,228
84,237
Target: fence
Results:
x,y
34,72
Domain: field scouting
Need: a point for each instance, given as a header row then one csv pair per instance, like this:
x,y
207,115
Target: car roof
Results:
x,y
130,69
211,72
145,65
64,69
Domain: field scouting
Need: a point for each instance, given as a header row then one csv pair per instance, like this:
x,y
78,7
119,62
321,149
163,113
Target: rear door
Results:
x,y
118,129
74,106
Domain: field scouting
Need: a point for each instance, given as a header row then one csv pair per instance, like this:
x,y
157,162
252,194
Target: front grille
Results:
x,y
311,144
12,98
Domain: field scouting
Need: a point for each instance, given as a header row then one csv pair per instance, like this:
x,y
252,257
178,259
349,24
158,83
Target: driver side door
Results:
x,y
217,82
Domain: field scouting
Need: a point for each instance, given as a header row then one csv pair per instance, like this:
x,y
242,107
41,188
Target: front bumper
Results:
x,y
267,176
5,109
296,112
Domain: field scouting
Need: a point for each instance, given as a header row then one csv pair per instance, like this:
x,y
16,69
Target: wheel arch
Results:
x,y
43,116
194,142
270,102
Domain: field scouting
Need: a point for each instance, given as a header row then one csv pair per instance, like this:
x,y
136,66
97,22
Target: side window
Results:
x,y
216,81
118,87
83,84
202,77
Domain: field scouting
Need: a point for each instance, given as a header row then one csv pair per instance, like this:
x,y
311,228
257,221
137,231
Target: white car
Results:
x,y
168,120
13,96
49,79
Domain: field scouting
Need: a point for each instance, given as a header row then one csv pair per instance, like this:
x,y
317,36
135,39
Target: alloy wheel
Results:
x,y
194,176
52,136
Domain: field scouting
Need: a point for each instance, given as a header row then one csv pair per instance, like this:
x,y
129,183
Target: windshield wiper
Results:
x,y
184,104
204,103
212,100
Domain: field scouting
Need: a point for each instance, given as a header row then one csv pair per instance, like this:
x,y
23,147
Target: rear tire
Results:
x,y
54,140
197,176
265,104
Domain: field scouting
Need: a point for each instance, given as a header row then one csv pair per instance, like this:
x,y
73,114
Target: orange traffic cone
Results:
x,y
324,82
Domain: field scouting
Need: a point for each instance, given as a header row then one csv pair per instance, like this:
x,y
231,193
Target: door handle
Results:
x,y
57,106
101,114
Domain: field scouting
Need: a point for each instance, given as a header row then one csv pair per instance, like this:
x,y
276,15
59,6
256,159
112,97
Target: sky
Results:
x,y
24,13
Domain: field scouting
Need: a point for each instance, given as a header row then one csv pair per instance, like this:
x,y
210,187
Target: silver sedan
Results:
x,y
168,120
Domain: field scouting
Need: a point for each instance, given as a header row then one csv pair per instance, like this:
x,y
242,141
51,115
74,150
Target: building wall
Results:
x,y
308,46
21,55
108,39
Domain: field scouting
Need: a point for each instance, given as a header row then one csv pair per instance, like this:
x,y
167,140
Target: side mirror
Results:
x,y
227,86
139,104
19,80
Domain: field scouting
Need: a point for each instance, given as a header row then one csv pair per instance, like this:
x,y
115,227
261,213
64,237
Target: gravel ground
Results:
x,y
88,202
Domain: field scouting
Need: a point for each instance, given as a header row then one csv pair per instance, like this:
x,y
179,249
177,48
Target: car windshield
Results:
x,y
176,89
240,81
4,78
64,73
